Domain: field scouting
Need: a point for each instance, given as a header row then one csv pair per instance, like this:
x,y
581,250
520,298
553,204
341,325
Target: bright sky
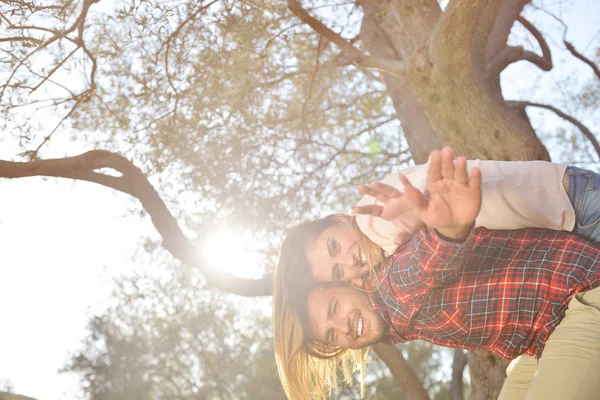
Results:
x,y
62,242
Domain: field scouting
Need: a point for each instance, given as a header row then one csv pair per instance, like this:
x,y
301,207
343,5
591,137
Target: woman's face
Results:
x,y
335,255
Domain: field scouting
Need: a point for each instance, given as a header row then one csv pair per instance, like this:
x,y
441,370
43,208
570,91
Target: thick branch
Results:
x,y
396,31
392,67
586,132
135,183
583,58
460,39
545,61
513,54
503,23
402,372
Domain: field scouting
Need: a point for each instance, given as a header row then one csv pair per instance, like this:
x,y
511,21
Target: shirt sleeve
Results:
x,y
426,262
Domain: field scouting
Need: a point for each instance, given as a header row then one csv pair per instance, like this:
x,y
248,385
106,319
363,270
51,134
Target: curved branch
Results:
x,y
512,54
402,372
545,61
503,23
134,182
507,56
392,67
583,58
586,132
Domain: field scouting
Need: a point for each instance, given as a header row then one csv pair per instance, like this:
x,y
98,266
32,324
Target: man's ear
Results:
x,y
358,282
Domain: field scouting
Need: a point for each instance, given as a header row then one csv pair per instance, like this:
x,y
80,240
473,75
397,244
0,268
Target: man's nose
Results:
x,y
348,259
341,325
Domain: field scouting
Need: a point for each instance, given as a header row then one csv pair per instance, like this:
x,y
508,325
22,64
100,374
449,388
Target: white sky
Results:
x,y
62,242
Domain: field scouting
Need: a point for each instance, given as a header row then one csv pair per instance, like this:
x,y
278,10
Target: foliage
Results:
x,y
164,338
236,110
244,104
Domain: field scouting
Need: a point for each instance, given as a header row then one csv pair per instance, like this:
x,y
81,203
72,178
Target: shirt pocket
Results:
x,y
445,324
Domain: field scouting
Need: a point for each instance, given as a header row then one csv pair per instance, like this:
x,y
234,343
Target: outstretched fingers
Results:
x,y
461,174
475,181
371,209
448,163
434,171
380,191
412,194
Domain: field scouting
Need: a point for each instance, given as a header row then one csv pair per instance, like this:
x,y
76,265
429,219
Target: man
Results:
x,y
512,292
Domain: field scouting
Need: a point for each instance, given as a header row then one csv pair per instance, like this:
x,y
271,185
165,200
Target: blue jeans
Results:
x,y
584,193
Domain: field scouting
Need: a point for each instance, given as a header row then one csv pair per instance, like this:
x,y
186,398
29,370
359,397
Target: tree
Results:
x,y
313,96
167,338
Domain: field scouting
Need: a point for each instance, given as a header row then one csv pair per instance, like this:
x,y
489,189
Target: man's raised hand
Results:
x,y
454,198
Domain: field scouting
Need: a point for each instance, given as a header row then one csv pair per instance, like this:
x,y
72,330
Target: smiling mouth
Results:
x,y
359,327
362,259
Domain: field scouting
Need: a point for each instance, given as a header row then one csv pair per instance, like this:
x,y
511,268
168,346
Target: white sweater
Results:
x,y
515,195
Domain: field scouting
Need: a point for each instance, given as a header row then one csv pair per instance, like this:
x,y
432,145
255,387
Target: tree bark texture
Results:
x,y
487,374
459,362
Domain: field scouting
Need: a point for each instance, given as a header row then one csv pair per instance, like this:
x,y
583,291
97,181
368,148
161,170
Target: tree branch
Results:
x,y
392,67
507,56
459,362
503,23
21,39
583,58
545,61
134,182
512,54
459,40
405,376
586,132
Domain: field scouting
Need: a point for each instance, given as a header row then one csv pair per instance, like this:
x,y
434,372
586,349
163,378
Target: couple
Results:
x,y
430,268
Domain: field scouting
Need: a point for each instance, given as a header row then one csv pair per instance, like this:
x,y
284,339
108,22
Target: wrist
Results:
x,y
455,233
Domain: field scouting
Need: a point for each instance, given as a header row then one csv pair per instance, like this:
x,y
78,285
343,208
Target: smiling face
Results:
x,y
335,255
340,315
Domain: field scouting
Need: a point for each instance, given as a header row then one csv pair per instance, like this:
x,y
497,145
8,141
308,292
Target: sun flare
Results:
x,y
232,252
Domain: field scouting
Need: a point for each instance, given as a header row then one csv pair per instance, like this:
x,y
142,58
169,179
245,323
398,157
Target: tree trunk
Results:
x,y
459,362
387,35
447,99
487,374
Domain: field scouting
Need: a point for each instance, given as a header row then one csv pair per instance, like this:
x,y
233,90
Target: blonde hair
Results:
x,y
310,369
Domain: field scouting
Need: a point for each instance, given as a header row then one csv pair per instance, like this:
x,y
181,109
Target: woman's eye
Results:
x,y
333,338
335,247
335,308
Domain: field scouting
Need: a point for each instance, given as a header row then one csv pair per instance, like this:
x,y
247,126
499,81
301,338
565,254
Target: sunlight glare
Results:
x,y
232,252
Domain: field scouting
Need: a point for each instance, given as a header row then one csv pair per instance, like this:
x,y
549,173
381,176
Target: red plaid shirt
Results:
x,y
504,291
